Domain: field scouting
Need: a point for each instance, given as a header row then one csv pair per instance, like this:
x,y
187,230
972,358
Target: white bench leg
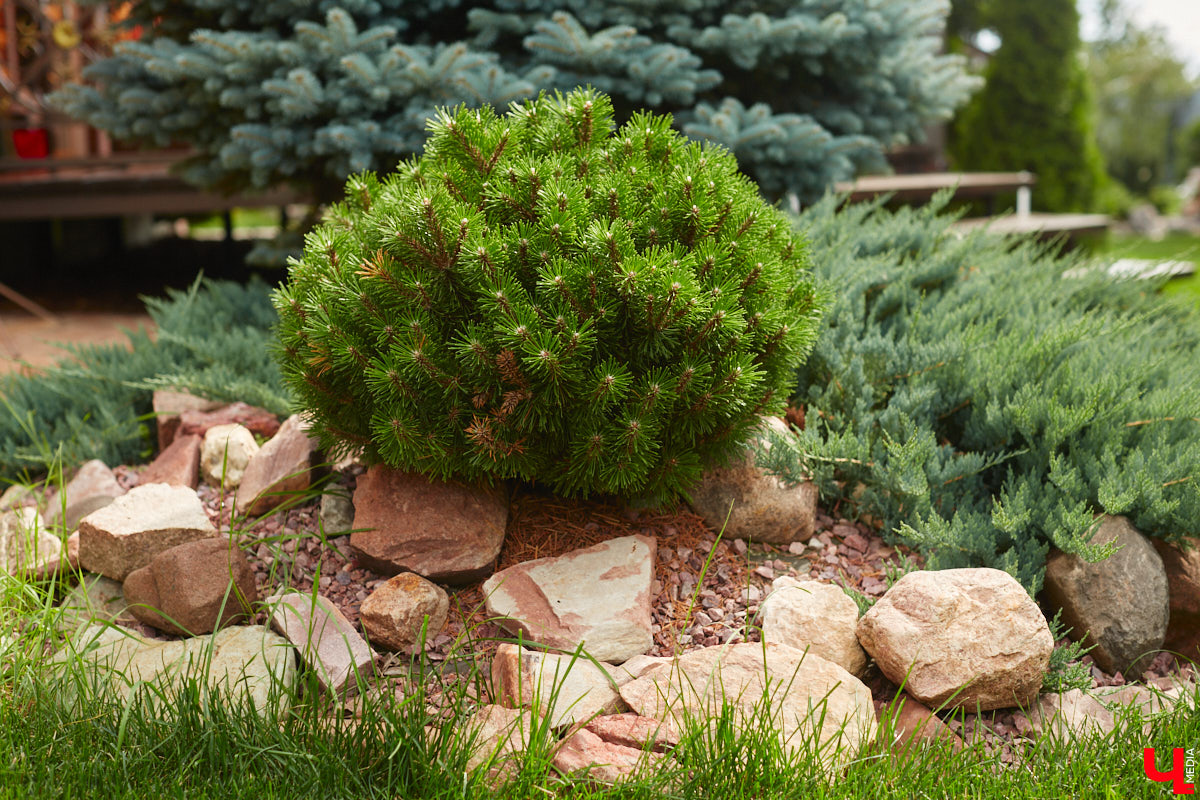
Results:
x,y
1024,201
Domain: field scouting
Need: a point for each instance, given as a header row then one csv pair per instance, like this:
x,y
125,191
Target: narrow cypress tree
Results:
x,y
1035,112
268,91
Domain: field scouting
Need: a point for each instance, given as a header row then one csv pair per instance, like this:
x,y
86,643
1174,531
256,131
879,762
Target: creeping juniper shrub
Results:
x,y
538,297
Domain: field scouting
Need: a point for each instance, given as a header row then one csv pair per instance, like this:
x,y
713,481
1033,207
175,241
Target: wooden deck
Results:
x,y
112,186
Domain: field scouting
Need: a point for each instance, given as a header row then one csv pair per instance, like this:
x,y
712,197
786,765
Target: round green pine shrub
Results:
x,y
538,297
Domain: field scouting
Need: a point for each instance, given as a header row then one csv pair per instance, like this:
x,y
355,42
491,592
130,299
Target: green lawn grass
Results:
x,y
1174,247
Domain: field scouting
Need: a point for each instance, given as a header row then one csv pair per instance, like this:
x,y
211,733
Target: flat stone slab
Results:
x,y
328,644
134,528
195,588
810,698
93,487
281,467
960,638
445,531
584,752
562,689
240,663
597,596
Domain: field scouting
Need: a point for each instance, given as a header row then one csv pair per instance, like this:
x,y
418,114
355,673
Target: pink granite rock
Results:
x,y
912,724
281,467
328,644
194,588
168,405
178,465
1182,567
598,596
960,638
632,730
601,761
134,528
444,531
258,420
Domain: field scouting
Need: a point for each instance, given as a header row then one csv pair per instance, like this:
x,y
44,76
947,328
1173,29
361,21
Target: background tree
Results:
x,y
1140,88
1035,111
269,91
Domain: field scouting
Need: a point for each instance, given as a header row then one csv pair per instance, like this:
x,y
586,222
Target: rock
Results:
x,y
178,465
258,421
635,731
601,761
808,695
327,641
498,735
1146,701
225,454
817,616
598,596
1120,605
639,665
15,496
907,724
337,513
1071,716
95,599
764,508
136,527
27,549
168,405
960,638
394,614
281,467
1182,568
562,689
445,531
93,487
194,588
245,663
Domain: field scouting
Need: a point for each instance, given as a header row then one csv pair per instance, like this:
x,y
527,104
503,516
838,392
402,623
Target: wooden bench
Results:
x,y
979,185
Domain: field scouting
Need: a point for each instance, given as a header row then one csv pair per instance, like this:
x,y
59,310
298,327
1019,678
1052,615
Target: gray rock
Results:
x,y
328,644
337,513
747,503
960,638
126,534
597,596
93,487
1121,604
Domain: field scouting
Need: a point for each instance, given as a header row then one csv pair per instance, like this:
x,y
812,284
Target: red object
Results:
x,y
31,142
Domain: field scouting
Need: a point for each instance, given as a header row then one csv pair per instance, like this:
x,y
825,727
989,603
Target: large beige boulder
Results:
x,y
134,528
445,531
240,664
819,617
960,638
563,689
597,596
1120,605
281,467
747,503
814,703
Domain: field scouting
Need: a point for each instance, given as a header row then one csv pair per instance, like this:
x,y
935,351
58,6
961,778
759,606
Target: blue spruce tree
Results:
x,y
272,91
